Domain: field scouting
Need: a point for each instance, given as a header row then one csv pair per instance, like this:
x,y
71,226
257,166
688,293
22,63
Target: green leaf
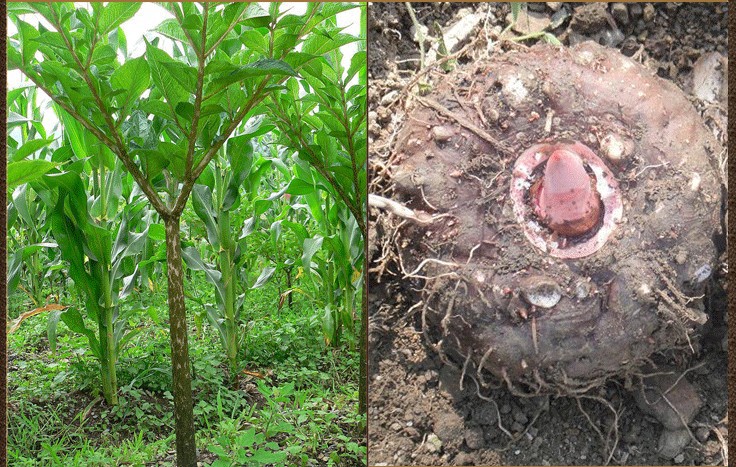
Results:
x,y
134,77
169,85
74,321
220,26
20,8
515,9
202,203
266,66
27,171
321,42
551,39
99,242
27,34
255,16
29,148
170,28
300,187
157,232
256,41
103,55
114,14
51,325
263,456
194,261
264,277
310,247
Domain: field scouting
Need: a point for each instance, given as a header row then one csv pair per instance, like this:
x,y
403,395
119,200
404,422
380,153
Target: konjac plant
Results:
x,y
167,113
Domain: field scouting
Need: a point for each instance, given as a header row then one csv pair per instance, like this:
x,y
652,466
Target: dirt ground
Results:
x,y
419,413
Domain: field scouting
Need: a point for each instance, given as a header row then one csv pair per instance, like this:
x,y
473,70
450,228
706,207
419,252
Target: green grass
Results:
x,y
302,412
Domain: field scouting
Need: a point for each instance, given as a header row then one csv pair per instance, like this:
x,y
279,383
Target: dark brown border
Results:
x,y
3,246
730,239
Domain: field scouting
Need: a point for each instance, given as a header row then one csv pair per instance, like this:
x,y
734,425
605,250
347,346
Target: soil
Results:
x,y
423,409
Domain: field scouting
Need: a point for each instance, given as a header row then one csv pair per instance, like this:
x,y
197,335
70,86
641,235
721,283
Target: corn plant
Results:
x,y
32,260
96,250
227,60
216,203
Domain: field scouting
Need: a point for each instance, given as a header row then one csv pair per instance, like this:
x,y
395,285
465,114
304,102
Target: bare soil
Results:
x,y
422,410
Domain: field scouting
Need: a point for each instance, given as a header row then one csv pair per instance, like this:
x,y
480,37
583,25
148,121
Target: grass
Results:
x,y
303,411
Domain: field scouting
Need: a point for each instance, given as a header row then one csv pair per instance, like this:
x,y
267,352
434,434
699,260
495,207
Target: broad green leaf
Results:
x,y
263,277
255,16
27,34
215,319
263,456
266,66
240,154
127,243
310,247
220,25
29,148
73,319
22,206
157,232
298,229
103,55
255,41
119,42
300,187
19,8
170,28
134,77
52,323
203,207
27,171
99,242
169,85
194,261
321,42
114,14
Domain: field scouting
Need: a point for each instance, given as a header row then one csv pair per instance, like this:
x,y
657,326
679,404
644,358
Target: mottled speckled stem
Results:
x,y
186,452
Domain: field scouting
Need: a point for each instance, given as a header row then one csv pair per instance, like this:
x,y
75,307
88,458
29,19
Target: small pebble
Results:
x,y
680,257
672,442
389,97
433,443
442,134
611,38
648,12
535,6
474,438
620,13
412,432
635,10
521,417
702,434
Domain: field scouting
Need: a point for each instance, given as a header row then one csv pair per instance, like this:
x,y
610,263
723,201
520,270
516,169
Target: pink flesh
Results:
x,y
566,193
